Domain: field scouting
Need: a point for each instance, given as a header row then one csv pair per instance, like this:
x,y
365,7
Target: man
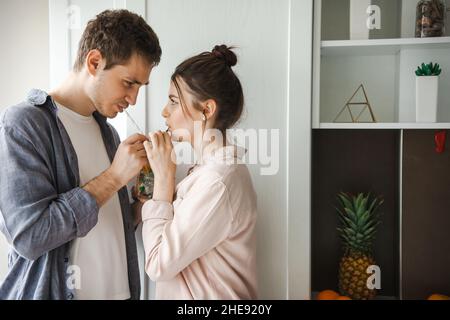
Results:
x,y
63,174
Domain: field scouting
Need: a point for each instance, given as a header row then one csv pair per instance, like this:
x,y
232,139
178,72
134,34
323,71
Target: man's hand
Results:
x,y
128,161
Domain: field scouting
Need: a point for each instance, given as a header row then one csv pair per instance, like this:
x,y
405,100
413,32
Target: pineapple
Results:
x,y
359,221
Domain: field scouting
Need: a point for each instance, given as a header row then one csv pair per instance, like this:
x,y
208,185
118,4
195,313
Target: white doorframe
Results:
x,y
299,150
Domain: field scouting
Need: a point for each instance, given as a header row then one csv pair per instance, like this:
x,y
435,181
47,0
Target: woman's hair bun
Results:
x,y
223,52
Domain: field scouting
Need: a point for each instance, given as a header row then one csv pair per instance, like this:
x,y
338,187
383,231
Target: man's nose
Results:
x,y
132,97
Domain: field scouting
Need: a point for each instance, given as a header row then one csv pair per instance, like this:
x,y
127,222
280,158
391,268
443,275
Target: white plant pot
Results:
x,y
426,98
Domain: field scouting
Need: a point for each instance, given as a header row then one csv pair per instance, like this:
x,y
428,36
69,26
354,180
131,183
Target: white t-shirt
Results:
x,y
100,256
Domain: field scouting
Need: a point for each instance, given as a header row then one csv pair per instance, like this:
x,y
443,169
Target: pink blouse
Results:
x,y
203,246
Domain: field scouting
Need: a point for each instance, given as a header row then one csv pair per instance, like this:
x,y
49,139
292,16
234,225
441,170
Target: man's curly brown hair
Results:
x,y
118,34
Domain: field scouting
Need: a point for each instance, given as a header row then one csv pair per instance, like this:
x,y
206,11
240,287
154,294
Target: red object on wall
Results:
x,y
439,139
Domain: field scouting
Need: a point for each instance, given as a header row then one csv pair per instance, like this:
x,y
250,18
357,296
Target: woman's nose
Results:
x,y
165,112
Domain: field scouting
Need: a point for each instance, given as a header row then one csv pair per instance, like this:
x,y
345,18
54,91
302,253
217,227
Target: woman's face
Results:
x,y
181,123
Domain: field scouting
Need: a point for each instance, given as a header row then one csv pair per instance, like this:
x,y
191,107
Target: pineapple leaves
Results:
x,y
359,219
345,200
374,202
350,214
349,223
357,202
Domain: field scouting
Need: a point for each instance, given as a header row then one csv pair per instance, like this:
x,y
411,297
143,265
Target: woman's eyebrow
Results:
x,y
171,96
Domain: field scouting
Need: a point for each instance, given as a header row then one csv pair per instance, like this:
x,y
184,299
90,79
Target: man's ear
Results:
x,y
210,109
94,61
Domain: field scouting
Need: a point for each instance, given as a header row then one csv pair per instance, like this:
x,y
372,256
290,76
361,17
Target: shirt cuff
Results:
x,y
85,209
154,209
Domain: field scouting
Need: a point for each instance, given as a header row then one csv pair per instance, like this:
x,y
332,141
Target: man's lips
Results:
x,y
121,107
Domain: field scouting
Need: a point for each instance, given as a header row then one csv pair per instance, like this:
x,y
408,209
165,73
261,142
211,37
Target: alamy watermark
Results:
x,y
73,281
374,19
374,280
254,146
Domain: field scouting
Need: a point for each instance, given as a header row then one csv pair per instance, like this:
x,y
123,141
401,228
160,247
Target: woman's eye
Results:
x,y
173,102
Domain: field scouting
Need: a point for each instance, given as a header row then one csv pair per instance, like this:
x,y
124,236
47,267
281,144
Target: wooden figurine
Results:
x,y
349,104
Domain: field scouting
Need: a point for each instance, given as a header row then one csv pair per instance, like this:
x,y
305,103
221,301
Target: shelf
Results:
x,y
385,125
381,46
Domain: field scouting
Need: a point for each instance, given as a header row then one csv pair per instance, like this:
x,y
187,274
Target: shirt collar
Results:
x,y
230,154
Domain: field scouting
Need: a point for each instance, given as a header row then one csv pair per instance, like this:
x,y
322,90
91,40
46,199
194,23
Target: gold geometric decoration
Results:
x,y
354,105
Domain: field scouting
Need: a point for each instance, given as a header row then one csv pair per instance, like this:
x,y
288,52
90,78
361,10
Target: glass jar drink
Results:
x,y
144,182
430,18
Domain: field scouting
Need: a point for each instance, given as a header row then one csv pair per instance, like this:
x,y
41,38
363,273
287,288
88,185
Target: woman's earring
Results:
x,y
204,117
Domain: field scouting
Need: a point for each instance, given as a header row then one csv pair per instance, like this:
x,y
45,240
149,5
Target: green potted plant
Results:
x,y
427,82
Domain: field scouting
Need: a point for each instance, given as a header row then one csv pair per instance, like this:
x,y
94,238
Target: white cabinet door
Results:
x,y
274,44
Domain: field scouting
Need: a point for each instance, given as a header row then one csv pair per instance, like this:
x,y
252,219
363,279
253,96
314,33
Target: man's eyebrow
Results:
x,y
134,81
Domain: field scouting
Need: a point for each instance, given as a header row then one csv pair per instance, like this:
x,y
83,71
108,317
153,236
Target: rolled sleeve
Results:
x,y
157,210
86,218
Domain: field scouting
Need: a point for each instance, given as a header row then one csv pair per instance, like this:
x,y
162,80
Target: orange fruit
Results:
x,y
343,298
437,296
327,295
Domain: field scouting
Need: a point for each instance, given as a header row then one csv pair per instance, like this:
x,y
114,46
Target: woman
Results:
x,y
199,237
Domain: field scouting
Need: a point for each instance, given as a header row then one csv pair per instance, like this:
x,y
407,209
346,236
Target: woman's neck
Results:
x,y
207,148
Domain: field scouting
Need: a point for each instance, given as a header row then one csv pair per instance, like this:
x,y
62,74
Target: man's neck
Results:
x,y
71,95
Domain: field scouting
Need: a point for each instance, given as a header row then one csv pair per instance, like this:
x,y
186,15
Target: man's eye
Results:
x,y
128,84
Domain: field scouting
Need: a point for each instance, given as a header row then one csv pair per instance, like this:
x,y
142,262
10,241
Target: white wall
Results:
x,y
24,61
24,54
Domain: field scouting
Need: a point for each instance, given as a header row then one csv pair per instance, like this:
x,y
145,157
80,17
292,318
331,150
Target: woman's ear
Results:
x,y
209,109
94,60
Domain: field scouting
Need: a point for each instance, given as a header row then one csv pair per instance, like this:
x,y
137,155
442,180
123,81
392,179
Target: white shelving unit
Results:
x,y
385,66
381,46
384,125
386,69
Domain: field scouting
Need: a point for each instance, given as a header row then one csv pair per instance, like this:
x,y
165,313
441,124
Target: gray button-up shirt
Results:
x,y
42,207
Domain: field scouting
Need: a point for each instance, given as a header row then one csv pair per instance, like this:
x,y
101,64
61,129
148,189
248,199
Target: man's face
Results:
x,y
113,90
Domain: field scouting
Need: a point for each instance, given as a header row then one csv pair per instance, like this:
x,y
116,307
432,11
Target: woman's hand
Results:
x,y
162,161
